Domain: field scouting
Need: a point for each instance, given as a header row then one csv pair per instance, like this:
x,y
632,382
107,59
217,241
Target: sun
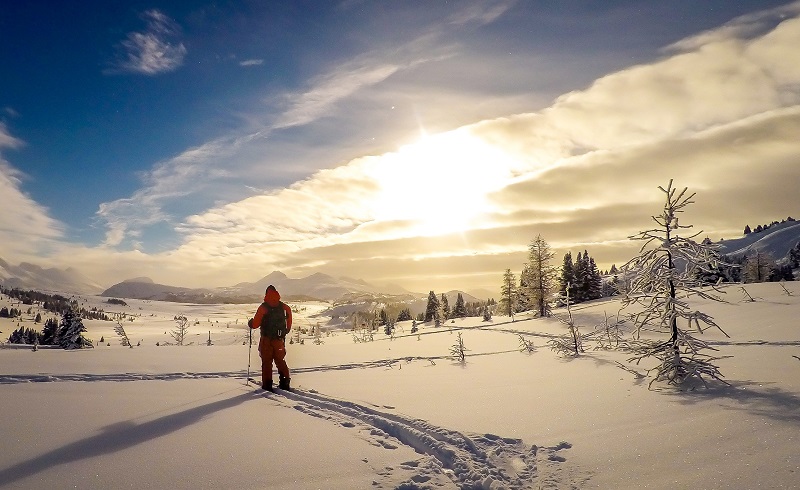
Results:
x,y
439,184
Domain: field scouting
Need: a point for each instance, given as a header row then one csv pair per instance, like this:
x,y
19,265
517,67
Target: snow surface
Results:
x,y
397,413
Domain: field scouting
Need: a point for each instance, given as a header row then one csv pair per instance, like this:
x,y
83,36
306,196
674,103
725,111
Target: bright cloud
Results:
x,y
25,225
719,118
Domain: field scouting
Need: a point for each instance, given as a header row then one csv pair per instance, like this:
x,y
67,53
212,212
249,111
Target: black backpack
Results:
x,y
273,323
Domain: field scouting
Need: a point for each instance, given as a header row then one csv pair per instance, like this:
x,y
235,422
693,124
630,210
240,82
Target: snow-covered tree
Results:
x,y
663,275
543,275
70,331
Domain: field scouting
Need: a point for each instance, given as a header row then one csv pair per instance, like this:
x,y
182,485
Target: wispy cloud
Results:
x,y
253,62
155,50
482,12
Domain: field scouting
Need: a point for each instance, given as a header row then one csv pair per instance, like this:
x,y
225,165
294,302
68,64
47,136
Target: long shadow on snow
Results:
x,y
116,437
751,396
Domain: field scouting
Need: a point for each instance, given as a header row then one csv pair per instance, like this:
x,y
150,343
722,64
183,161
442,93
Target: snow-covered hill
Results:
x,y
777,240
399,412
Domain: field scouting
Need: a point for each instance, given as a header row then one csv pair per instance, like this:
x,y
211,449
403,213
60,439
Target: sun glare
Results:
x,y
440,183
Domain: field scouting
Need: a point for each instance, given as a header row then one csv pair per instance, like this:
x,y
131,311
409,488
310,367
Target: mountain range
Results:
x,y
776,239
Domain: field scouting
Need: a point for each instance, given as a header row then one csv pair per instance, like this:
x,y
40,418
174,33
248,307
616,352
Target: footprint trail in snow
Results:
x,y
450,458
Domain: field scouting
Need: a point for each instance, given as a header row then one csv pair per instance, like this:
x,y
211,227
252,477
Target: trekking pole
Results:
x,y
249,349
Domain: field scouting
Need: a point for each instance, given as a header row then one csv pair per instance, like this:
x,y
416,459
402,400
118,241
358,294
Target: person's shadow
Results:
x,y
116,437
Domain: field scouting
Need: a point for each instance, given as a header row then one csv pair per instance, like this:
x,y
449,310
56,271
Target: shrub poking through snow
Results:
x,y
667,270
458,351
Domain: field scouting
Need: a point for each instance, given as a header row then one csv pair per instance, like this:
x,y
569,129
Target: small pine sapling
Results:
x,y
120,330
662,277
181,329
526,345
458,351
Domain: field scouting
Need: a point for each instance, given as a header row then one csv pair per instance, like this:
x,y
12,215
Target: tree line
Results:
x,y
68,334
54,303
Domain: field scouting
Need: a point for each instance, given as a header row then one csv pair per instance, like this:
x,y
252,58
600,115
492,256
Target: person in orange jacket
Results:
x,y
274,318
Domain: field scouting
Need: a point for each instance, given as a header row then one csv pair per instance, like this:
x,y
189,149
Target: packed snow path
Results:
x,y
469,461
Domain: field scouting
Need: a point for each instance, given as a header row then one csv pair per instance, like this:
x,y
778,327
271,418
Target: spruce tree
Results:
x,y
49,332
595,281
567,278
432,309
580,273
460,309
70,331
445,307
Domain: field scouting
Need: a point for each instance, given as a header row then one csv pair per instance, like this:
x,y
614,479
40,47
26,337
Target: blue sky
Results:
x,y
213,142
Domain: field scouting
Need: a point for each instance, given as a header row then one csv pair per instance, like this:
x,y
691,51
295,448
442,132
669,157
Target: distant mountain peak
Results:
x,y
145,280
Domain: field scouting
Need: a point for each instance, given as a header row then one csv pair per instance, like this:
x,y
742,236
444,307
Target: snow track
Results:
x,y
450,458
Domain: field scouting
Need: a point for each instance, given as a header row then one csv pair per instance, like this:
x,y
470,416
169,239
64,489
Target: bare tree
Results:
x,y
508,294
542,279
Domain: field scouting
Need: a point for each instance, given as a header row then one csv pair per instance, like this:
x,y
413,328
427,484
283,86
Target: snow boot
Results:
x,y
268,386
283,383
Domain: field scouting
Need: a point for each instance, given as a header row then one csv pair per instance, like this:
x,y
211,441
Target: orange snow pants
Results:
x,y
272,350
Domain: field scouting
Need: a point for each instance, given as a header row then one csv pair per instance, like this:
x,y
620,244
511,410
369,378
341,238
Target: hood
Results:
x,y
272,297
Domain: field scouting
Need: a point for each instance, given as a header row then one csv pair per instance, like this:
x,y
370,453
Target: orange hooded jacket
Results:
x,y
272,299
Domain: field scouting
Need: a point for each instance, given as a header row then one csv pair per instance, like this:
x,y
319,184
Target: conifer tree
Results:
x,y
445,314
578,293
460,309
595,281
543,275
70,331
661,288
432,309
49,332
567,278
404,315
508,294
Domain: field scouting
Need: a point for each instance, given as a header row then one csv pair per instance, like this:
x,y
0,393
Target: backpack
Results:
x,y
273,323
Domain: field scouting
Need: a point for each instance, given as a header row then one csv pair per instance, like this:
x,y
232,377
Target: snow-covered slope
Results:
x,y
398,412
777,240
